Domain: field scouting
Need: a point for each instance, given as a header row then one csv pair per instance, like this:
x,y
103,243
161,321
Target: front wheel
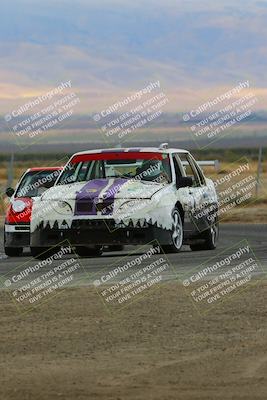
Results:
x,y
41,253
13,251
210,241
177,233
84,251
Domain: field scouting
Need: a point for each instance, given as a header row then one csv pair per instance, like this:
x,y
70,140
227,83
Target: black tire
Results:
x,y
177,233
13,251
115,247
84,251
41,253
210,241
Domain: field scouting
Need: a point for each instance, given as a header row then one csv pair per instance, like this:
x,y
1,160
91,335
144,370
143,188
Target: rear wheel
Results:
x,y
210,241
177,234
84,251
13,251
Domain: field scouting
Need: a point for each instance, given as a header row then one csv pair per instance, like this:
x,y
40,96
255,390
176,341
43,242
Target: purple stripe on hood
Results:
x,y
114,188
85,199
109,195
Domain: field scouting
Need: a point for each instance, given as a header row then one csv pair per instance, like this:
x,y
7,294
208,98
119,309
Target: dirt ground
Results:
x,y
158,348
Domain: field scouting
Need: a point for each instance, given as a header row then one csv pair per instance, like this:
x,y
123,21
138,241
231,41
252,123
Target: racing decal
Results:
x,y
85,200
98,195
114,188
106,201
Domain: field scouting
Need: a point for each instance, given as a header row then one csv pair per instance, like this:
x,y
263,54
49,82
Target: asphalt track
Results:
x,y
181,264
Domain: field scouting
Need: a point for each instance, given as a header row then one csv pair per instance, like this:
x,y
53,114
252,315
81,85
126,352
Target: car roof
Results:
x,y
133,149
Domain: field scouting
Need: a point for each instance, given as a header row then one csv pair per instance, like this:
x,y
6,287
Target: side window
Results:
x,y
84,171
178,172
75,173
189,168
96,170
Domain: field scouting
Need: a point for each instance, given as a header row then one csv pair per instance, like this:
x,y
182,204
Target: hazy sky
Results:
x,y
112,47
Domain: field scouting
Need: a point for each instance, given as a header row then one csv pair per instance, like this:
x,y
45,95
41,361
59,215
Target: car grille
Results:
x,y
85,207
88,207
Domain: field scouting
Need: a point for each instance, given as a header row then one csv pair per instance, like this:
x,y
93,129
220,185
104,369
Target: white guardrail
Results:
x,y
214,163
208,163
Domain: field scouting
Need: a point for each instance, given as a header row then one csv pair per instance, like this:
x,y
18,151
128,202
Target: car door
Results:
x,y
197,194
184,194
208,205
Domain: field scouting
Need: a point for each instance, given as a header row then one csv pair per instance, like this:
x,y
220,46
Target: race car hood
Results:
x,y
103,189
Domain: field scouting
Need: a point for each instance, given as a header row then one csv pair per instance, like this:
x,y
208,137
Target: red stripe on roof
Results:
x,y
117,156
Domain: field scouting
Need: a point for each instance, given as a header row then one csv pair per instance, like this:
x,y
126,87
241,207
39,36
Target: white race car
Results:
x,y
123,196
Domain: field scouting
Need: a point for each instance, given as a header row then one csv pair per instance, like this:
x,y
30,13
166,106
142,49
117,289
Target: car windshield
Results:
x,y
35,183
147,167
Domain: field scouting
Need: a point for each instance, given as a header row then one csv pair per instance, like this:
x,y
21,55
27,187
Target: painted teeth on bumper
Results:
x,y
94,232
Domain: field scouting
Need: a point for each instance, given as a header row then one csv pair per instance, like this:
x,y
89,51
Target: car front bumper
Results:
x,y
17,235
98,232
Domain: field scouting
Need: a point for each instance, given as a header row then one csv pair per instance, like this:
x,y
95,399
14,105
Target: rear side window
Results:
x,y
199,171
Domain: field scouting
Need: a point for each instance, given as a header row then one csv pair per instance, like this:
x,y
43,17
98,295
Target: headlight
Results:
x,y
62,207
130,208
19,205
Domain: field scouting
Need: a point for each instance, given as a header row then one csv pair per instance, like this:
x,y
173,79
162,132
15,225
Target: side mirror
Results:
x,y
10,191
184,181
